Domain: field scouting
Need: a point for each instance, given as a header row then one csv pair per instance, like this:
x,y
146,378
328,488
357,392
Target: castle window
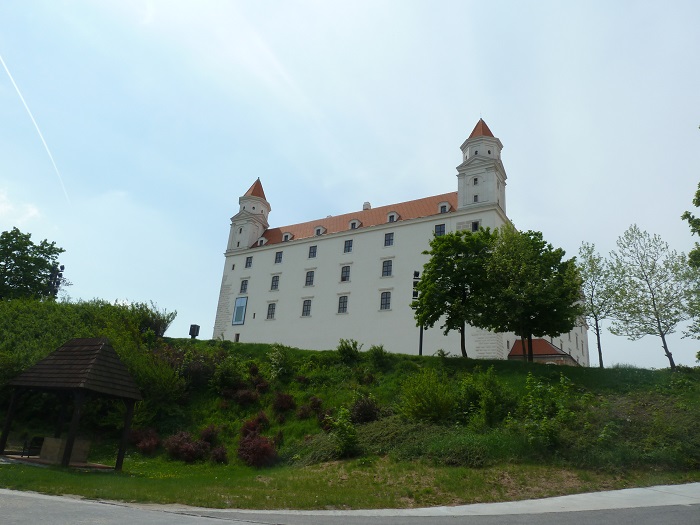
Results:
x,y
275,284
392,218
475,226
278,257
343,304
309,278
261,242
244,286
476,198
353,225
306,308
271,310
345,274
319,231
239,310
385,301
312,252
489,152
249,261
415,294
476,181
233,267
439,230
389,239
386,268
286,237
347,248
443,208
240,230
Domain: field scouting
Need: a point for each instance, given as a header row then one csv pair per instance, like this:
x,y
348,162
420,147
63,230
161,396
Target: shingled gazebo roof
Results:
x,y
81,364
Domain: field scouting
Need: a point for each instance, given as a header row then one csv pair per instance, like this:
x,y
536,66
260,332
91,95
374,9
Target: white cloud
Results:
x,y
16,214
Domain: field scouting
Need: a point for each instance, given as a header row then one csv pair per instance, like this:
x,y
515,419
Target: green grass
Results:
x,y
601,429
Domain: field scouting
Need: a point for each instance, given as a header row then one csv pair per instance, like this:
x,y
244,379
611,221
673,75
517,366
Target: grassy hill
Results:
x,y
263,426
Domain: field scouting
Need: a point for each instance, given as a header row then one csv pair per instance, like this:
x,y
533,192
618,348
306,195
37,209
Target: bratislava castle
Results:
x,y
351,276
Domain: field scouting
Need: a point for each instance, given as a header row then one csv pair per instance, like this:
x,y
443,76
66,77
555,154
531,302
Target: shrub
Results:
x,y
219,455
427,396
146,441
181,446
228,378
349,351
378,357
257,451
283,403
246,397
280,361
482,399
304,412
255,425
344,433
210,434
315,403
364,409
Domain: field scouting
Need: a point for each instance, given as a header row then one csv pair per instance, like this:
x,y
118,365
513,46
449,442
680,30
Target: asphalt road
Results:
x,y
668,505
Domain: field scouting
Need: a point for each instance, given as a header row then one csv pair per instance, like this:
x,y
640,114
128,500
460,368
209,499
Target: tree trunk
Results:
x,y
600,350
462,339
522,345
668,353
530,354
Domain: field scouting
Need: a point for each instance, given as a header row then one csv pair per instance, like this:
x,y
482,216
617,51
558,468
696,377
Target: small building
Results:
x,y
352,276
542,352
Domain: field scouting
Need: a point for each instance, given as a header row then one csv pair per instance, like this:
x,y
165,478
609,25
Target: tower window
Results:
x,y
439,230
476,181
345,274
385,301
249,261
309,278
476,198
306,308
386,268
239,310
475,226
489,152
278,257
240,230
244,286
389,239
343,304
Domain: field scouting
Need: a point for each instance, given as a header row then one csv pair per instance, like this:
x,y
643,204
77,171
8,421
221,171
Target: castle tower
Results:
x,y
251,220
481,176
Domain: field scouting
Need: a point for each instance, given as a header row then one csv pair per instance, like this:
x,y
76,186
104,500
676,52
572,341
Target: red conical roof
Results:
x,y
256,190
481,130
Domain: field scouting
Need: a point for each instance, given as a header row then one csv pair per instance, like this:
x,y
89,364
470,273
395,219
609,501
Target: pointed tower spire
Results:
x,y
256,190
250,223
481,130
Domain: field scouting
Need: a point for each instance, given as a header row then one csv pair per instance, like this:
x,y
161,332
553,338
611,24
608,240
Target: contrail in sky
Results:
x,y
48,151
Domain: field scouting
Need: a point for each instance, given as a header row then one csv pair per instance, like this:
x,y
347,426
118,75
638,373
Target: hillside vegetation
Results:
x,y
234,424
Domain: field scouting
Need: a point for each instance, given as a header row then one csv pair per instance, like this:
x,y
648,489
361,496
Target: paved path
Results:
x,y
668,504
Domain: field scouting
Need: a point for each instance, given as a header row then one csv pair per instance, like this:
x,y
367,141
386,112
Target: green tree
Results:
x,y
654,285
694,223
453,281
531,289
28,270
598,290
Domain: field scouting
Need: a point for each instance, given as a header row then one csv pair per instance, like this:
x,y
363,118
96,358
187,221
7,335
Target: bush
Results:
x,y
427,396
344,433
255,425
219,455
378,357
228,378
257,451
349,351
210,434
283,403
482,399
280,362
364,409
146,441
246,397
181,446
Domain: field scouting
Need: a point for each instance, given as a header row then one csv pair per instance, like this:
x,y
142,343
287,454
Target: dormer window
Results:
x,y
354,224
287,237
444,207
392,217
319,230
262,241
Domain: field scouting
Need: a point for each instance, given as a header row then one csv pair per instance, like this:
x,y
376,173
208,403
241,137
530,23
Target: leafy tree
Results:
x,y
654,284
694,223
453,281
598,290
532,290
28,270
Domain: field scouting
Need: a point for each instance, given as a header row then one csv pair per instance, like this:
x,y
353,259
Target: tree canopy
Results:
x,y
28,270
694,223
654,285
505,280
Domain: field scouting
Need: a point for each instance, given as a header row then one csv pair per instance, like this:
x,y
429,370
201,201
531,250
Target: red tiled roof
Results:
x,y
539,347
256,190
481,130
405,210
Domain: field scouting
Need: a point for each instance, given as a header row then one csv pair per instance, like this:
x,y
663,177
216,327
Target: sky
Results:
x,y
149,119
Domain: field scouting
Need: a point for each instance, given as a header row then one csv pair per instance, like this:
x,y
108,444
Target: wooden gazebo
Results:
x,y
78,369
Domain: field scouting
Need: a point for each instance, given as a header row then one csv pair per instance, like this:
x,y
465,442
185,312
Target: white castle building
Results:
x,y
351,276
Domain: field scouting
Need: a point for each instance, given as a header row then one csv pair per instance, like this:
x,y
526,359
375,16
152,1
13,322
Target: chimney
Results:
x,y
366,206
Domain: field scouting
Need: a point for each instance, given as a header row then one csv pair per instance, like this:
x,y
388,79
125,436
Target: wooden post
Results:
x,y
125,433
78,400
8,421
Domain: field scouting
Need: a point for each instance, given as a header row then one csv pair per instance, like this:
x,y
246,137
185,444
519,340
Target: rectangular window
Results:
x,y
249,261
443,209
347,248
475,226
306,308
386,268
343,304
415,294
439,230
309,278
353,225
388,239
312,252
239,310
275,284
385,303
392,218
244,286
271,310
476,198
476,181
278,257
345,273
